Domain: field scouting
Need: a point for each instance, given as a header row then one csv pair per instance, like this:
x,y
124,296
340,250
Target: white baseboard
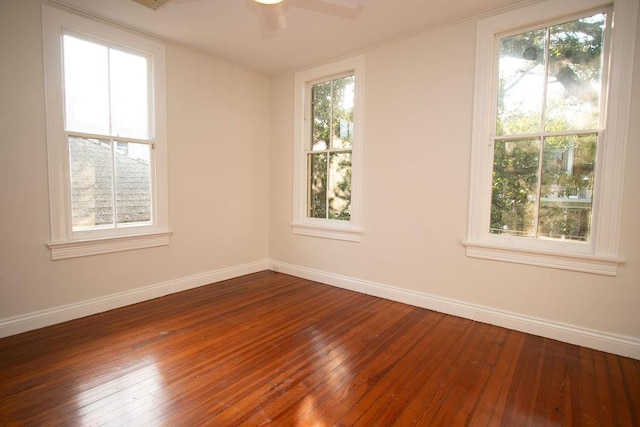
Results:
x,y
48,317
610,343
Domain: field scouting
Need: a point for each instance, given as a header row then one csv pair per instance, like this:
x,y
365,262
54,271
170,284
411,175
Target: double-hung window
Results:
x,y
551,114
328,146
105,137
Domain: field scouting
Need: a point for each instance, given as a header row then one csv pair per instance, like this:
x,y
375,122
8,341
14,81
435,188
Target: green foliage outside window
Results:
x,y
329,156
547,130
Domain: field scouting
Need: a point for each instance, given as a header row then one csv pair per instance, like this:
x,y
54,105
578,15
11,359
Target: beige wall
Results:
x,y
417,141
218,201
230,206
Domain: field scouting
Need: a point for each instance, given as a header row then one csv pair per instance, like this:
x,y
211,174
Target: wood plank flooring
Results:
x,y
274,349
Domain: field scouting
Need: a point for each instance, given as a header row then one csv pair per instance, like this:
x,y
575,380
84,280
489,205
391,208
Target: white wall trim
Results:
x,y
52,316
586,263
78,248
348,234
611,343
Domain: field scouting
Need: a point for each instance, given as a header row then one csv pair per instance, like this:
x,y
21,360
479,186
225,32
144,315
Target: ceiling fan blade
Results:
x,y
153,4
281,17
272,18
351,4
349,9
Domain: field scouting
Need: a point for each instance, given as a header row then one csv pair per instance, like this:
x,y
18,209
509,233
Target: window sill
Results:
x,y
327,232
605,265
80,248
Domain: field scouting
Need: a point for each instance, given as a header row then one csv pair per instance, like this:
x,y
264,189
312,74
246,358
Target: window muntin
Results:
x,y
329,149
547,126
106,93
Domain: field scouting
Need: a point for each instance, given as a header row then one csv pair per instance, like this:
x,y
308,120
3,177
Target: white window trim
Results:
x,y
64,243
318,227
601,255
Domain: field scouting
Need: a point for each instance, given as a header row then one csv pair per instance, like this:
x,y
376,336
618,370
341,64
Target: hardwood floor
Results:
x,y
271,348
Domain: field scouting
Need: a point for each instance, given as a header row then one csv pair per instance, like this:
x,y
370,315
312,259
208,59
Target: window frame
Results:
x,y
66,243
601,254
302,224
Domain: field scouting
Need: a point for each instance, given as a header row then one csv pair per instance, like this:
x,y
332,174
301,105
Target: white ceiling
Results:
x,y
316,31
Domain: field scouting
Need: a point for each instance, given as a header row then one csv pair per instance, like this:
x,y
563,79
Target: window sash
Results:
x,y
549,214
331,172
118,187
111,106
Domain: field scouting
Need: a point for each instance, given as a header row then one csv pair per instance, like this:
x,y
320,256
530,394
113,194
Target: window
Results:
x,y
328,150
551,114
105,137
546,127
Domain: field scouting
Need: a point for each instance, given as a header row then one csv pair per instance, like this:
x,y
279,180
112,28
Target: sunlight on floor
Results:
x,y
125,398
308,414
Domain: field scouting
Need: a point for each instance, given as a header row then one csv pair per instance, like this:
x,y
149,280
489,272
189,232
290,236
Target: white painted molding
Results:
x,y
79,248
611,343
586,263
348,234
52,316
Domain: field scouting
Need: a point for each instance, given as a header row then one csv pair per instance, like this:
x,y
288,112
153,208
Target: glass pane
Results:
x,y
521,82
340,186
567,187
91,182
575,72
133,183
86,86
129,95
343,102
514,187
321,113
317,168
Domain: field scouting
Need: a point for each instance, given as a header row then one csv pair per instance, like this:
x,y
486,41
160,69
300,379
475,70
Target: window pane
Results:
x,y
129,95
575,72
317,185
133,183
321,113
521,82
567,187
86,86
91,182
514,187
343,101
340,186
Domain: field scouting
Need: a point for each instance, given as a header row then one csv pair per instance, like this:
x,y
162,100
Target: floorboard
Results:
x,y
269,348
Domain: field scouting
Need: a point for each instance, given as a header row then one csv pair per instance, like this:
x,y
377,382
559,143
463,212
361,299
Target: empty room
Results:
x,y
320,212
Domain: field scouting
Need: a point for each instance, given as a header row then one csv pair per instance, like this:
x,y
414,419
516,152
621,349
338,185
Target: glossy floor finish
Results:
x,y
274,349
